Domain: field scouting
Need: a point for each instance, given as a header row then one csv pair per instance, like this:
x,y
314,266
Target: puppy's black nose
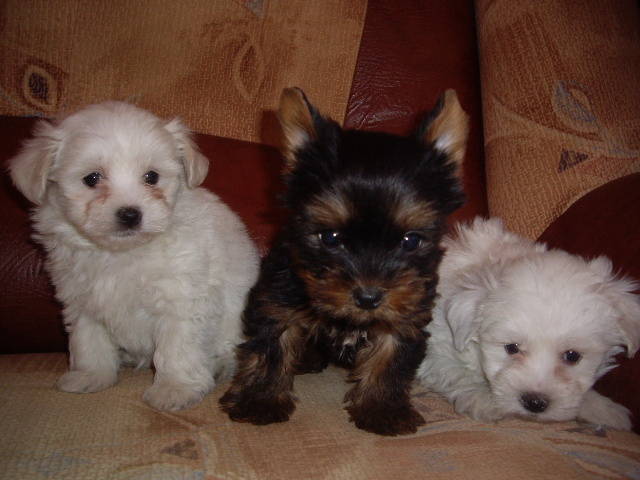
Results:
x,y
368,298
534,402
129,216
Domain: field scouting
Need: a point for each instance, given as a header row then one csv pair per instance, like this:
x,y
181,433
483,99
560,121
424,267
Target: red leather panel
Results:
x,y
29,316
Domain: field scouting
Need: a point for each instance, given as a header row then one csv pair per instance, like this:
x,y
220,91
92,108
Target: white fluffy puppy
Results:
x,y
522,330
149,267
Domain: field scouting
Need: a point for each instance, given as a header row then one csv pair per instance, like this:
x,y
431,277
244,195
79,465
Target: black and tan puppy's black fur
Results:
x,y
352,276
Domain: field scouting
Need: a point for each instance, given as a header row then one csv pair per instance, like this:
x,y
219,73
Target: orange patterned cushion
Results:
x,y
218,64
561,102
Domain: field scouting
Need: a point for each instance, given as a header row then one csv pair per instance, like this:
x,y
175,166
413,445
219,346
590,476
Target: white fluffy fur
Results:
x,y
497,288
169,292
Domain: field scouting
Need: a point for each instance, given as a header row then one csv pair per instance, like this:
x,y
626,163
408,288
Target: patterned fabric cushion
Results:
x,y
217,64
113,434
560,102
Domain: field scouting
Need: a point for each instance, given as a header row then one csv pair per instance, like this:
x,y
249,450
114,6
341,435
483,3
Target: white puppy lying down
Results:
x,y
522,330
149,267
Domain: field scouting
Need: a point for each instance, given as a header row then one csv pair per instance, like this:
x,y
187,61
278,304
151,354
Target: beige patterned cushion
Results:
x,y
561,102
114,435
218,64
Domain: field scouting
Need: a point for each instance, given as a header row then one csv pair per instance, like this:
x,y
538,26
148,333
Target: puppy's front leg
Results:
x,y
183,367
260,392
600,410
380,402
93,361
476,401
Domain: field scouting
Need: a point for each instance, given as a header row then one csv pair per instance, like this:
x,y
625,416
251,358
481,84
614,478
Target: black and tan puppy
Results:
x,y
352,276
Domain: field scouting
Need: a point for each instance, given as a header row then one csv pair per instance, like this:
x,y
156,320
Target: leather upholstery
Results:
x,y
29,316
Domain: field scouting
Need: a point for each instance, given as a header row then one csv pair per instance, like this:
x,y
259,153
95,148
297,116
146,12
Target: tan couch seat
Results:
x,y
113,434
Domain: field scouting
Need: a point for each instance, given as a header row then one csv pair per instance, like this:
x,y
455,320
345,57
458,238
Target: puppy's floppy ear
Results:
x,y
298,119
195,164
31,167
619,292
462,308
446,129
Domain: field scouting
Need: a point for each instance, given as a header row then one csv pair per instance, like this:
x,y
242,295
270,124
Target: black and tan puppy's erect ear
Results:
x,y
297,118
446,129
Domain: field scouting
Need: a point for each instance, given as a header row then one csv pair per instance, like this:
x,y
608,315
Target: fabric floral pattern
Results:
x,y
219,65
560,103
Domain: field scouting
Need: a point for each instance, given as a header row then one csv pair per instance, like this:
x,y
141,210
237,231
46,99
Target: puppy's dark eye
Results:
x,y
411,241
512,348
92,179
151,177
571,356
330,238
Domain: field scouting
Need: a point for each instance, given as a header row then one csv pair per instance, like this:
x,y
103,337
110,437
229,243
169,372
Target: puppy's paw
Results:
x,y
81,381
600,410
257,410
386,419
172,396
486,413
479,405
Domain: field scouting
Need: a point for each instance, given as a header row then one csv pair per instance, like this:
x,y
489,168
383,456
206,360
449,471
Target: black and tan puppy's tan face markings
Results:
x,y
352,277
330,210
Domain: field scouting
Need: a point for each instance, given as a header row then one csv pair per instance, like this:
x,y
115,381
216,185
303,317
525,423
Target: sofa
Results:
x,y
554,150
